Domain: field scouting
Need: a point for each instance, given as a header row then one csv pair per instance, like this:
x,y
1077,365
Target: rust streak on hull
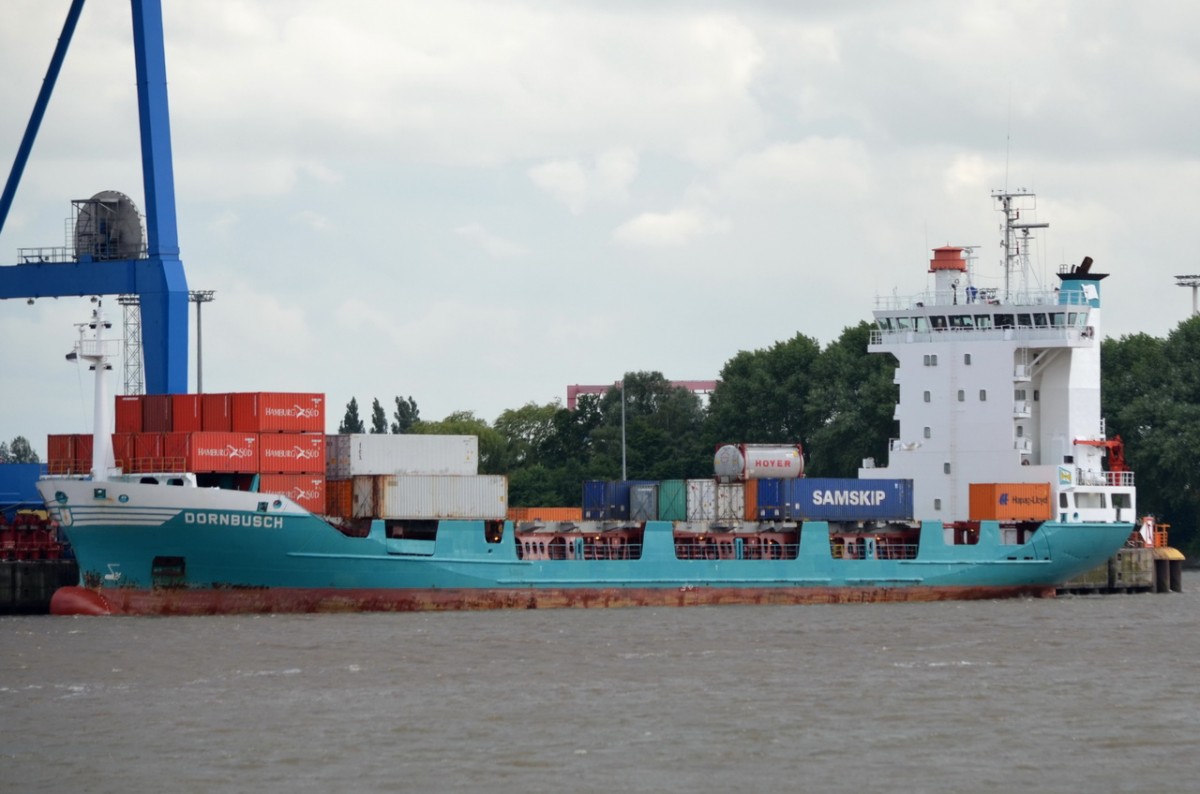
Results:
x,y
84,601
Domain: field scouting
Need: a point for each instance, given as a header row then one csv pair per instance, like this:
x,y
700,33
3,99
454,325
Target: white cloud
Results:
x,y
563,179
313,220
831,167
491,243
670,229
579,184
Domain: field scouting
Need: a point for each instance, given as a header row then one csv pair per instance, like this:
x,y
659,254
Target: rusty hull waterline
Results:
x,y
78,600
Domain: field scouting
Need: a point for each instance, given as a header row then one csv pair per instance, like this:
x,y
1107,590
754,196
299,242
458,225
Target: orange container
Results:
x,y
275,412
545,514
215,412
291,453
129,413
339,498
1014,501
750,498
185,413
306,490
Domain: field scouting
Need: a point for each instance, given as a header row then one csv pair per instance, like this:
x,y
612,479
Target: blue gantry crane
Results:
x,y
155,275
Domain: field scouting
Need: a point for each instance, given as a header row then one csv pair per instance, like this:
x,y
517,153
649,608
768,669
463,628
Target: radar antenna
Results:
x,y
1016,251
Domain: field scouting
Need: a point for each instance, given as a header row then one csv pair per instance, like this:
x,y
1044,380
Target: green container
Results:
x,y
672,500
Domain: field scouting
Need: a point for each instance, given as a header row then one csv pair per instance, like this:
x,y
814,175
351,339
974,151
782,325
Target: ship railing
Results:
x,y
529,548
980,297
63,467
883,550
1049,333
612,551
100,347
152,465
727,548
1119,479
1112,479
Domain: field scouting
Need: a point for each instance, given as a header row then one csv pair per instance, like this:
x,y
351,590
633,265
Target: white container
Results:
x,y
701,500
353,455
731,501
431,496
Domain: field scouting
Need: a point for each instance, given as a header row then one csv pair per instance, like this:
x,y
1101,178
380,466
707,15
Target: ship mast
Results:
x,y
1016,251
97,351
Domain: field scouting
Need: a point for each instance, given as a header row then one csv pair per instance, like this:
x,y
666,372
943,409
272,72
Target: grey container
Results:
x,y
643,501
431,496
352,455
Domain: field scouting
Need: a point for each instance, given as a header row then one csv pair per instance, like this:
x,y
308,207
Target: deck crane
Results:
x,y
156,276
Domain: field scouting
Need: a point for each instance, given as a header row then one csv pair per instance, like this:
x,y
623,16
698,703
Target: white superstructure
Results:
x,y
1001,386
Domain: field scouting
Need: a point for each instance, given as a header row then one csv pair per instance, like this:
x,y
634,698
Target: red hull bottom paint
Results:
x,y
83,601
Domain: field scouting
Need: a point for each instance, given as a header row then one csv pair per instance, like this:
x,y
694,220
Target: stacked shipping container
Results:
x,y
407,476
277,438
812,499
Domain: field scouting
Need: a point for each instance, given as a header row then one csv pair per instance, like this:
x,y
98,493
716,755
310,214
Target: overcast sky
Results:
x,y
479,203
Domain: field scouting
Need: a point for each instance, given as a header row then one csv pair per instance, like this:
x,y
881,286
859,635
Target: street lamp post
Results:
x,y
1194,283
624,476
200,297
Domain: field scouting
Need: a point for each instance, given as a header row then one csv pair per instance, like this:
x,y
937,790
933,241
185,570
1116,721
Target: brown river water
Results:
x,y
1075,694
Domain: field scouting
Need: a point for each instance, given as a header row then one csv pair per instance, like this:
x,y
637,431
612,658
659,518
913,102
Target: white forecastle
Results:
x,y
1001,385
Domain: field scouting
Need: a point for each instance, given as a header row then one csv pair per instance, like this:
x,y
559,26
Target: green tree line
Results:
x,y
836,401
1151,398
18,451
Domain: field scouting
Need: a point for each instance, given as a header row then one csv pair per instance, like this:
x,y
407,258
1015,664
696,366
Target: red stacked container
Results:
x,y
291,430
185,413
123,451
276,412
82,448
147,452
129,414
205,452
278,436
291,453
156,413
60,453
215,412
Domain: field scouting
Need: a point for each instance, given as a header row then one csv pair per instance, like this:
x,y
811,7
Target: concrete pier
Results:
x,y
1145,570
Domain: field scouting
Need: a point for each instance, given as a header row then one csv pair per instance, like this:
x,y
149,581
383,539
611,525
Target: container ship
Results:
x,y
996,486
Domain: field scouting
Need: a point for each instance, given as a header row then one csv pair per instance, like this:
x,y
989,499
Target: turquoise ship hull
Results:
x,y
137,556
